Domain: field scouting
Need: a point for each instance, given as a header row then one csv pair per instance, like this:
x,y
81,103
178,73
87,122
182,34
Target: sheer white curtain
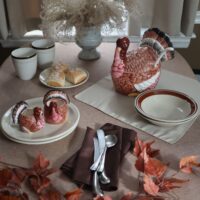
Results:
x,y
22,16
3,22
172,16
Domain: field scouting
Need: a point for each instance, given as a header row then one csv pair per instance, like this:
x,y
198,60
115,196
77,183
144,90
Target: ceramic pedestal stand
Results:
x,y
88,38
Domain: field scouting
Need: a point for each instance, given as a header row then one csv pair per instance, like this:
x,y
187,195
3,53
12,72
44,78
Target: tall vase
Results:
x,y
88,38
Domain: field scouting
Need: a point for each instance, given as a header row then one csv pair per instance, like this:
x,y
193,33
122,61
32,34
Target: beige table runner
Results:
x,y
103,97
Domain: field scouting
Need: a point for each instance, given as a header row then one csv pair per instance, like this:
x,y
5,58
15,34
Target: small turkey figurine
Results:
x,y
29,119
55,107
139,70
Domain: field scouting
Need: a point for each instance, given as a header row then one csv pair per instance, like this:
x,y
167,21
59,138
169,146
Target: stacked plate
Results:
x,y
50,133
166,107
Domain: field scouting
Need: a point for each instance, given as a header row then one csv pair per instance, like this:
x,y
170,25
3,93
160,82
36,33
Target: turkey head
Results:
x,y
120,57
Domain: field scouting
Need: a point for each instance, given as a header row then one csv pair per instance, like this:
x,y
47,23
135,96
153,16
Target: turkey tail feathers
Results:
x,y
159,41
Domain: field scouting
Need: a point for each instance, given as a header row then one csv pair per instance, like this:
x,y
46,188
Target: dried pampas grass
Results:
x,y
63,15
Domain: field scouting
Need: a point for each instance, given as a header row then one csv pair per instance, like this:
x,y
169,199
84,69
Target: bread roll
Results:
x,y
75,76
56,77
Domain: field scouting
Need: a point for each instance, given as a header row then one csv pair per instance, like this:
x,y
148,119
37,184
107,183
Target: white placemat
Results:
x,y
103,97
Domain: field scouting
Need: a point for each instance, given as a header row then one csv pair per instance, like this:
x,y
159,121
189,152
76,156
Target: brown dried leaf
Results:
x,y
51,195
187,163
46,172
9,197
39,183
140,146
74,194
170,183
19,175
139,163
147,197
103,198
40,167
153,166
149,186
144,198
40,162
128,196
5,176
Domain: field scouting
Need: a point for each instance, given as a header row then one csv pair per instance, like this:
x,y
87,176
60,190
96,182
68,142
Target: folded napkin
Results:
x,y
77,167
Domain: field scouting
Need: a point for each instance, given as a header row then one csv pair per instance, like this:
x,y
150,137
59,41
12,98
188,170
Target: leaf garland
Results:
x,y
12,177
153,178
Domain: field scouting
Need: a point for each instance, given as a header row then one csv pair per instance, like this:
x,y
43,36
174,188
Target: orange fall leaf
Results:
x,y
5,176
140,146
102,198
170,183
149,186
187,163
41,162
128,196
153,166
74,194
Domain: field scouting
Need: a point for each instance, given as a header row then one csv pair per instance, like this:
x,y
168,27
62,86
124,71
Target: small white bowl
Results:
x,y
166,107
164,123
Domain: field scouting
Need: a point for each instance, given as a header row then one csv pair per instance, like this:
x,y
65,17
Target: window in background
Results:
x,y
20,21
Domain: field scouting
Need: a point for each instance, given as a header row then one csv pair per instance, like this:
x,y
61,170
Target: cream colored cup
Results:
x,y
45,51
25,62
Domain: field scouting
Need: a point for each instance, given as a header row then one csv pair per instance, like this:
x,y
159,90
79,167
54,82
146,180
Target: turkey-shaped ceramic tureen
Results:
x,y
139,70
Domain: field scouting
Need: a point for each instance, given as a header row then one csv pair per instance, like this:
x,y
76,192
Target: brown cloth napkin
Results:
x,y
77,167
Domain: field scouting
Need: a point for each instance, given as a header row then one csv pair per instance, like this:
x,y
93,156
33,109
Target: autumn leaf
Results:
x,y
150,166
139,163
149,186
19,174
12,176
51,195
40,166
128,196
38,174
40,162
12,193
148,197
187,163
9,197
74,194
144,198
39,183
5,176
167,184
140,146
103,198
153,166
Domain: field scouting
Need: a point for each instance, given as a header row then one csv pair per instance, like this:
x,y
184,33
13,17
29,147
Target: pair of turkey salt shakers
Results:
x,y
55,111
136,71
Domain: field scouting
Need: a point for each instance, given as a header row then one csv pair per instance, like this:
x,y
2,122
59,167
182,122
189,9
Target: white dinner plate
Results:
x,y
34,143
45,74
49,133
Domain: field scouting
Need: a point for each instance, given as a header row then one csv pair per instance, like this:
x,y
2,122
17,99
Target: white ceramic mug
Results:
x,y
45,51
25,62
